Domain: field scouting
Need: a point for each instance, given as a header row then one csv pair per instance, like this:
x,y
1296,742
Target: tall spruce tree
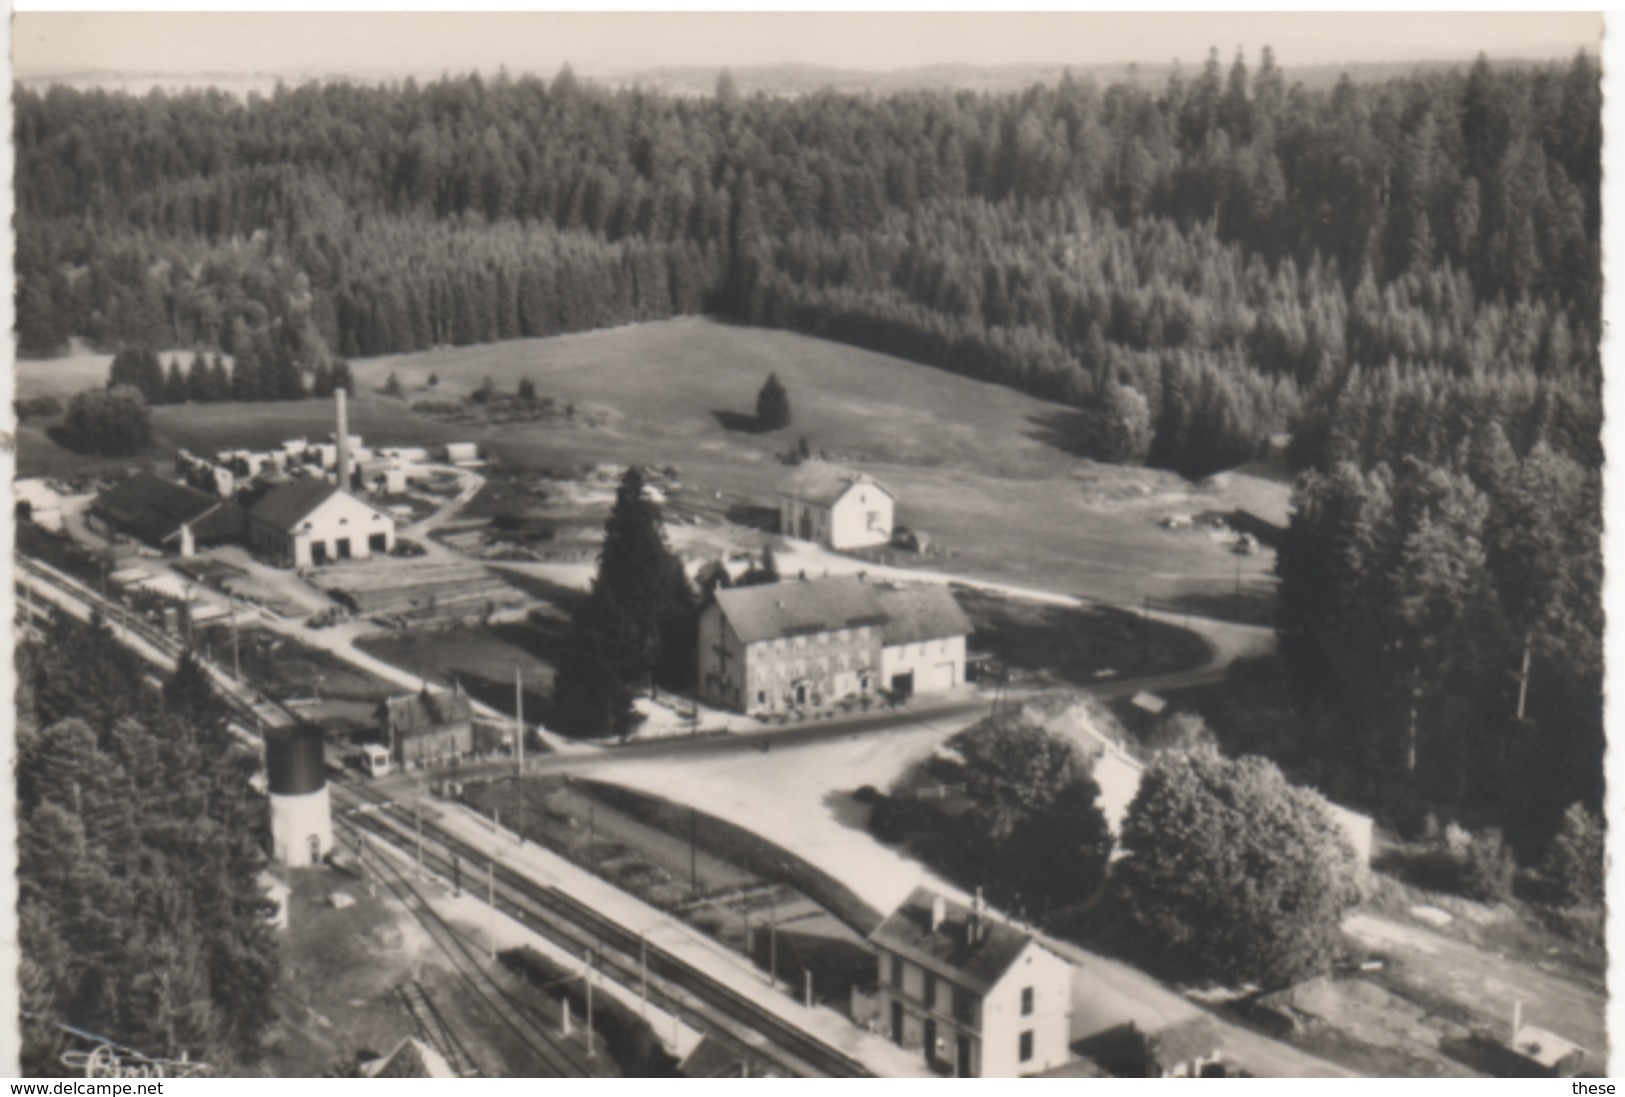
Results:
x,y
772,405
636,627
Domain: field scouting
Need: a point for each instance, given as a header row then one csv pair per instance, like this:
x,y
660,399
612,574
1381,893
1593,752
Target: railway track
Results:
x,y
706,1004
674,986
562,1057
433,1030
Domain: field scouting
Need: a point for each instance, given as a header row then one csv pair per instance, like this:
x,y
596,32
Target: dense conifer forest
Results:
x,y
1404,275
139,845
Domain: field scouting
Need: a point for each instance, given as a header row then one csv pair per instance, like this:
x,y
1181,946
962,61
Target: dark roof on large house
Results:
x,y
424,712
921,613
799,607
803,607
823,483
286,506
154,509
950,950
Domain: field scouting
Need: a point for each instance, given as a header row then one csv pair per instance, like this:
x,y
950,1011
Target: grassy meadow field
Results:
x,y
987,472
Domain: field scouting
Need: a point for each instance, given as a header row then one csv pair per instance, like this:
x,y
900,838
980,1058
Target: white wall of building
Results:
x,y
298,820
936,664
861,518
1050,1021
341,528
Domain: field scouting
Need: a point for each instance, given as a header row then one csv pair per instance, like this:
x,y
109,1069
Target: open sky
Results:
x,y
427,43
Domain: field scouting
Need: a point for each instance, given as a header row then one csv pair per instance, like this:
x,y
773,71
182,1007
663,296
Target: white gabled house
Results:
x,y
974,996
310,521
835,506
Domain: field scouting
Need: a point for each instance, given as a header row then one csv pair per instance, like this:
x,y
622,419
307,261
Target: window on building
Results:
x,y
874,519
1026,1001
1026,1046
930,990
897,973
964,1006
761,697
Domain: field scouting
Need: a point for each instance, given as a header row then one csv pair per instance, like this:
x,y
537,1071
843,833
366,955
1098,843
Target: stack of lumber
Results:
x,y
419,591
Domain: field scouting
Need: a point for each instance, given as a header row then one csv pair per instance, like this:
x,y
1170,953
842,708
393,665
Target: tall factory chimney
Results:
x,y
296,776
343,441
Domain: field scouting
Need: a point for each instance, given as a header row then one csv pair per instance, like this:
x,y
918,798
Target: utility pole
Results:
x,y
417,822
519,739
592,1053
1523,677
236,662
693,856
491,900
773,941
643,974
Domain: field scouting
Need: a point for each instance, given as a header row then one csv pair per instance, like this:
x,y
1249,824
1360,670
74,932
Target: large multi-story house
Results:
x,y
806,643
977,997
835,506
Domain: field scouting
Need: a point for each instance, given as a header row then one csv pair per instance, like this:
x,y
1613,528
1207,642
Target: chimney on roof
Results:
x,y
343,440
973,927
939,912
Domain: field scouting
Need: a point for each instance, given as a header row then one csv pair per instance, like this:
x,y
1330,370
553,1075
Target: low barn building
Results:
x,y
427,728
170,517
805,643
310,521
924,649
835,506
975,996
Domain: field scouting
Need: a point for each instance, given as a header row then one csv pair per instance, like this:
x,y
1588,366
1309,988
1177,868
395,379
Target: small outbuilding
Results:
x,y
427,728
835,506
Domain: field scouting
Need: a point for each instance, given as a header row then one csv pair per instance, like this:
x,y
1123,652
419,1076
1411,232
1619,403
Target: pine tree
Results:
x,y
197,380
772,405
246,382
219,379
140,369
637,623
175,390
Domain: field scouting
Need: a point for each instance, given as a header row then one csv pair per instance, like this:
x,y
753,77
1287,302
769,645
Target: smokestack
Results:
x,y
939,912
343,441
974,929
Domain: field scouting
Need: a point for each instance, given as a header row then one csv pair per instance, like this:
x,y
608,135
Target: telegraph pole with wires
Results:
x,y
519,740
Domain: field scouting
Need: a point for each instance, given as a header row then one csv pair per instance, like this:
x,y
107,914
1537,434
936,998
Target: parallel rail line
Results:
x,y
673,985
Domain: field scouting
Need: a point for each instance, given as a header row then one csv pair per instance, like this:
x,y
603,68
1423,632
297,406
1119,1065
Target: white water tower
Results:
x,y
296,778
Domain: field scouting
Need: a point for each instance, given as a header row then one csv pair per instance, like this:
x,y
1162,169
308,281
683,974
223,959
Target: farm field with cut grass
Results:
x,y
988,473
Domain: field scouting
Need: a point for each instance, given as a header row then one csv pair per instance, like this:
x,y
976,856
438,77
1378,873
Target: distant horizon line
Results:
x,y
1536,54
